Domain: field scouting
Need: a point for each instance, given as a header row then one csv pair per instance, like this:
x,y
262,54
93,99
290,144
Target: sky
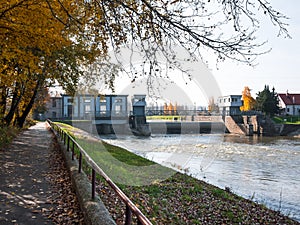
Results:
x,y
279,68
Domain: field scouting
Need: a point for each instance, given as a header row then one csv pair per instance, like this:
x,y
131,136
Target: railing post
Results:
x,y
93,183
73,150
64,137
68,143
80,162
128,216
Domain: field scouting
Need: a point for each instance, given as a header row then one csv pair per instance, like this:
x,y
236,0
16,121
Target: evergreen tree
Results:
x,y
267,101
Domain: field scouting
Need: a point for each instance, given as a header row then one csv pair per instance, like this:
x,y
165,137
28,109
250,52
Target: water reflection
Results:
x,y
255,139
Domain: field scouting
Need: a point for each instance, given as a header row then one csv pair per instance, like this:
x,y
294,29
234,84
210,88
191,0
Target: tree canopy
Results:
x,y
46,40
37,47
267,101
248,101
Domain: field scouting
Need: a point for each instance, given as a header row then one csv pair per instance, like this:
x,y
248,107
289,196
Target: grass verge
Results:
x,y
286,119
7,134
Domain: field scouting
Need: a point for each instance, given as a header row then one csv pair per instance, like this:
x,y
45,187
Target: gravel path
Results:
x,y
35,187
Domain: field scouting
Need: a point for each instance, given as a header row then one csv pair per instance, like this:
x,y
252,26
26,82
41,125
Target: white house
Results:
x,y
230,104
290,103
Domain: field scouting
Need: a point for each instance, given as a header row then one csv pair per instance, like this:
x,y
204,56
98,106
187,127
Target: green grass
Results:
x,y
286,119
120,165
7,134
164,117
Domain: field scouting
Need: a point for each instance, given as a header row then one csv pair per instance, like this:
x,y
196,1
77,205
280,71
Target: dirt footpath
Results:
x,y
35,187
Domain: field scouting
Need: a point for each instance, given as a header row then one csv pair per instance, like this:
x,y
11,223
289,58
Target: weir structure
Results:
x,y
137,121
111,114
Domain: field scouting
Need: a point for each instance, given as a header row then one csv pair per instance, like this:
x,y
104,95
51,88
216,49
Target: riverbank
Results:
x,y
177,199
292,130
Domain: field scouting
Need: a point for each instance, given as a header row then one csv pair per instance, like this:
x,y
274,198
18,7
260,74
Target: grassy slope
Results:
x,y
180,199
286,120
7,134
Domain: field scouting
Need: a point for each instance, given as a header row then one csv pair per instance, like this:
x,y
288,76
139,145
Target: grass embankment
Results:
x,y
286,119
7,134
176,199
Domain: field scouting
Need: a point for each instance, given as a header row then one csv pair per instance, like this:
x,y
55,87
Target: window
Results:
x,y
118,109
87,108
288,109
118,100
102,107
70,100
70,109
54,103
87,100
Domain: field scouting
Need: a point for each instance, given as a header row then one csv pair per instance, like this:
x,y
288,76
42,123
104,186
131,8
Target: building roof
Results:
x,y
290,99
226,96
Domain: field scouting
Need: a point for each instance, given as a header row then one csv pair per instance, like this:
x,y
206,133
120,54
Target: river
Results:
x,y
263,169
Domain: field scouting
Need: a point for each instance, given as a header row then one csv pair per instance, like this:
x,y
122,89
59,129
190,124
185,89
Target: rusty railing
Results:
x,y
69,142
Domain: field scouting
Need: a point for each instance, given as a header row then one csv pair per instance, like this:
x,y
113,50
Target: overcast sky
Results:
x,y
279,68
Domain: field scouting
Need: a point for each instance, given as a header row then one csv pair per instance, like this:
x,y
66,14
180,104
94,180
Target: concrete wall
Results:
x,y
233,126
186,127
290,129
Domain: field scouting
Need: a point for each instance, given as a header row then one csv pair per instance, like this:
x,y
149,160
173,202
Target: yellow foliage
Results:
x,y
248,100
35,36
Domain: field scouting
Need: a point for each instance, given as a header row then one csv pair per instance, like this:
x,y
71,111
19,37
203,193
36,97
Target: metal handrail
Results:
x,y
130,206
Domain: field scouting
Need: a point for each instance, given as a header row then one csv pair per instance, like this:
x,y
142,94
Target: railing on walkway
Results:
x,y
71,143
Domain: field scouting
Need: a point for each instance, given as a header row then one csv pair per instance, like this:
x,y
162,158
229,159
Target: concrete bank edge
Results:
x,y
94,211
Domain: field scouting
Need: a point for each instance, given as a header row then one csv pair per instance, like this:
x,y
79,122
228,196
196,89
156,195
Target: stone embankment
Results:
x,y
290,130
259,124
233,126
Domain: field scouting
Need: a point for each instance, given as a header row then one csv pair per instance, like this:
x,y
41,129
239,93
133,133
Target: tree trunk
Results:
x,y
21,119
3,98
14,104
